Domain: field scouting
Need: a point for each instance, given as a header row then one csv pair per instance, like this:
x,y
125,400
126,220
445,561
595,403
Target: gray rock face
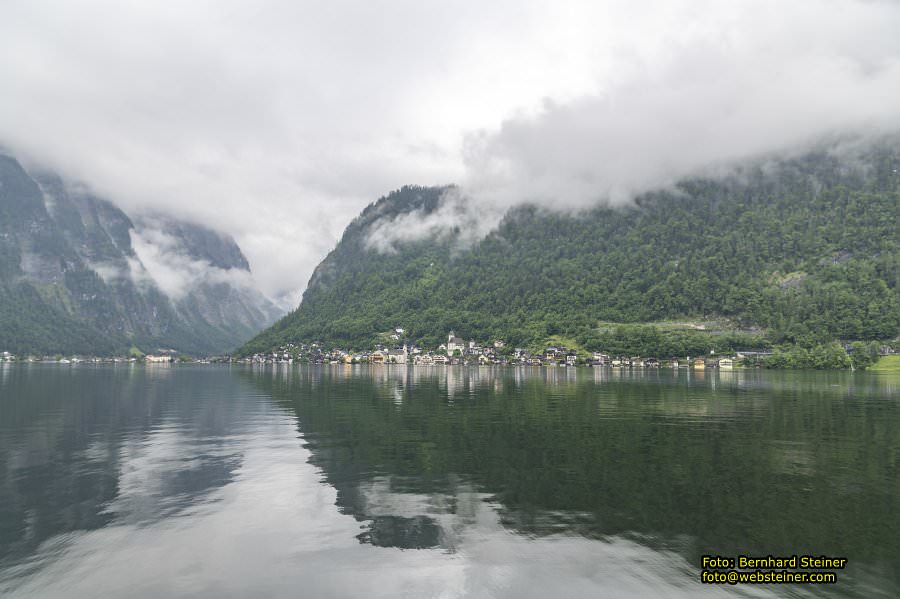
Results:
x,y
198,242
71,279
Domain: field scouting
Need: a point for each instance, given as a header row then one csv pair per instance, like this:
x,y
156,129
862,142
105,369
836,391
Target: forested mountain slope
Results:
x,y
806,249
71,281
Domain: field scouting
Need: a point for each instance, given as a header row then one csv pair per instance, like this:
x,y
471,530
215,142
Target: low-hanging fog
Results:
x,y
278,121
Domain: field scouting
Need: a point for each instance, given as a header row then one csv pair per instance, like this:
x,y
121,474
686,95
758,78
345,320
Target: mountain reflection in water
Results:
x,y
192,481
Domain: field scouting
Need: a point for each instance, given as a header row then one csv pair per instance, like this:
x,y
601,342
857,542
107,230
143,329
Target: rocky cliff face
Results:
x,y
79,275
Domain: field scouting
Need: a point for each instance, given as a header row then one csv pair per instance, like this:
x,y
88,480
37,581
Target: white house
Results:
x,y
600,358
455,343
158,359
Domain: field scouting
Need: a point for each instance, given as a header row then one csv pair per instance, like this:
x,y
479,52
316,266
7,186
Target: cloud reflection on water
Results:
x,y
214,482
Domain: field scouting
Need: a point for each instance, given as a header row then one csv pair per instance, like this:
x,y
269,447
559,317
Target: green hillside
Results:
x,y
887,364
801,251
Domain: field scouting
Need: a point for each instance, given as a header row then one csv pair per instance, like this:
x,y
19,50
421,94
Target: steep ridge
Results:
x,y
72,282
804,250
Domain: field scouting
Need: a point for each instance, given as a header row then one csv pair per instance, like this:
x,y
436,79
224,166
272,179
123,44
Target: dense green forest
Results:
x,y
800,252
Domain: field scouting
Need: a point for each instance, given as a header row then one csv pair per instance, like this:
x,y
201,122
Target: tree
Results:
x,y
863,355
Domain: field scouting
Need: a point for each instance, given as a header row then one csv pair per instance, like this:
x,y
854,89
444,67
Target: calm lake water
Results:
x,y
205,481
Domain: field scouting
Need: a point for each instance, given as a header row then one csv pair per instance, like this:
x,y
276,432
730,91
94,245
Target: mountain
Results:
x,y
71,280
799,250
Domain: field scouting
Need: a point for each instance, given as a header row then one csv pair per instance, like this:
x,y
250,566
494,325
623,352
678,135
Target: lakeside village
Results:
x,y
456,351
162,356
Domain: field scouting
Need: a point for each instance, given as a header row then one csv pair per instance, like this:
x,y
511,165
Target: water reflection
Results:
x,y
116,446
728,463
342,481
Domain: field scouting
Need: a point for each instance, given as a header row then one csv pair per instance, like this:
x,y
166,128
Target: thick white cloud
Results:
x,y
162,261
277,121
766,78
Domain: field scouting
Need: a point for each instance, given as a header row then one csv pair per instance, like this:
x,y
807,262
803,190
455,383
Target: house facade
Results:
x,y
455,344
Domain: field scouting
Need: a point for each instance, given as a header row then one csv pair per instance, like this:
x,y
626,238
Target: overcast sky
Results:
x,y
277,121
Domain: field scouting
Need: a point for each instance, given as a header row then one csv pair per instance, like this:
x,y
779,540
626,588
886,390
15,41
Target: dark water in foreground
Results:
x,y
439,482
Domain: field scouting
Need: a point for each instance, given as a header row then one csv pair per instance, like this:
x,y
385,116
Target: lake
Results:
x,y
347,481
